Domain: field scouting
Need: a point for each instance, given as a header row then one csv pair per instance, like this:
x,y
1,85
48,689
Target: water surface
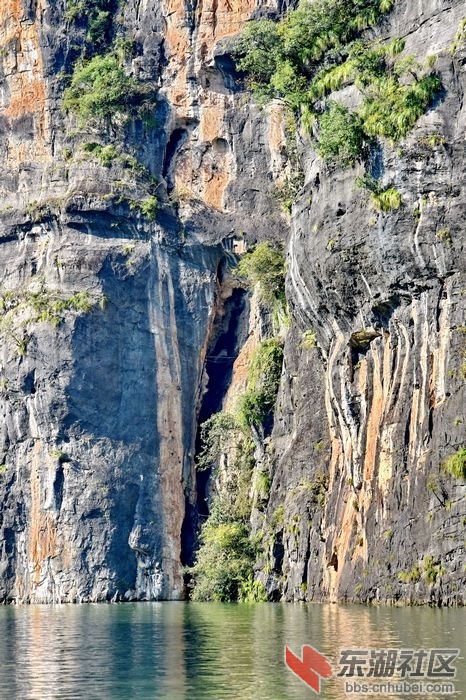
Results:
x,y
197,651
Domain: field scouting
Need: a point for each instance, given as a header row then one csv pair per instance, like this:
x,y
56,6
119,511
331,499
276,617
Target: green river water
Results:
x,y
202,651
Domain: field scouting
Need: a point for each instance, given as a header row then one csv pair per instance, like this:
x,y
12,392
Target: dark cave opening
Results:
x,y
177,138
232,77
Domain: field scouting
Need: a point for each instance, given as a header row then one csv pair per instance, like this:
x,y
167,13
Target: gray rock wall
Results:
x,y
106,315
365,420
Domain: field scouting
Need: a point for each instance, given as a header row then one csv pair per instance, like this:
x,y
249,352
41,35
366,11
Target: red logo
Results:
x,y
311,668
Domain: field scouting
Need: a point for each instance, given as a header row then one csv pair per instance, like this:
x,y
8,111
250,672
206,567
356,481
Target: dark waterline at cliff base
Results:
x,y
199,651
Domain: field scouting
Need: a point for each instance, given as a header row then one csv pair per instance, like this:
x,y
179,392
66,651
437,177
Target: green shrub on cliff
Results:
x,y
341,137
264,372
455,464
149,207
224,567
97,14
391,109
224,562
43,305
432,571
223,570
218,434
265,265
383,199
386,200
258,49
98,26
460,37
281,59
411,576
317,49
101,89
106,155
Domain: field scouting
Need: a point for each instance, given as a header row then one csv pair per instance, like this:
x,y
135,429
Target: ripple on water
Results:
x,y
197,651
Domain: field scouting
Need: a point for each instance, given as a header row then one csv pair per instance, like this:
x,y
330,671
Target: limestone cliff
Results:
x,y
366,419
115,297
106,312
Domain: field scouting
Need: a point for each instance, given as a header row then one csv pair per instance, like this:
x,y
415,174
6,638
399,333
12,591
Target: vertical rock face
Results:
x,y
376,408
105,313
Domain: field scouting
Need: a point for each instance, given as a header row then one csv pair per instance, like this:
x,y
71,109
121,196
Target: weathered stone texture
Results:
x,y
379,405
99,410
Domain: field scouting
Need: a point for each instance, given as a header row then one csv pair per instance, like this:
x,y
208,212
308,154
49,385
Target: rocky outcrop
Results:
x,y
366,418
106,312
110,311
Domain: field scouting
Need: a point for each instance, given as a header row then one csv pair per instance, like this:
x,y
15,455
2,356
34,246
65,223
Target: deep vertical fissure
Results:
x,y
228,335
219,368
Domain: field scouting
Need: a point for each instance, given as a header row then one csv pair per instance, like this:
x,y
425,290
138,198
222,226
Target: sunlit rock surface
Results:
x,y
100,397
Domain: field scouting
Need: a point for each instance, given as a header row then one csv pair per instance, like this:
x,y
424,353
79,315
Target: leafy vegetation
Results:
x,y
219,434
432,571
280,58
433,140
252,591
265,265
223,570
228,451
149,207
287,190
262,485
412,576
460,38
104,154
341,136
444,235
309,340
317,488
224,566
455,464
278,517
96,14
264,372
59,455
387,199
50,308
101,89
110,155
224,562
391,108
21,308
383,199
40,211
42,305
317,49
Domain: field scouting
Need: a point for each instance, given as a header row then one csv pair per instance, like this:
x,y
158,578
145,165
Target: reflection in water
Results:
x,y
198,651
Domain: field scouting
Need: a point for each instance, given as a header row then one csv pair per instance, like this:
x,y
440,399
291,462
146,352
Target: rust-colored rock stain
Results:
x,y
189,54
42,528
26,92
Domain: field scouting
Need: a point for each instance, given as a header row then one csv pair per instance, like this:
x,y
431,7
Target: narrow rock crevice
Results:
x,y
58,485
176,140
228,335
